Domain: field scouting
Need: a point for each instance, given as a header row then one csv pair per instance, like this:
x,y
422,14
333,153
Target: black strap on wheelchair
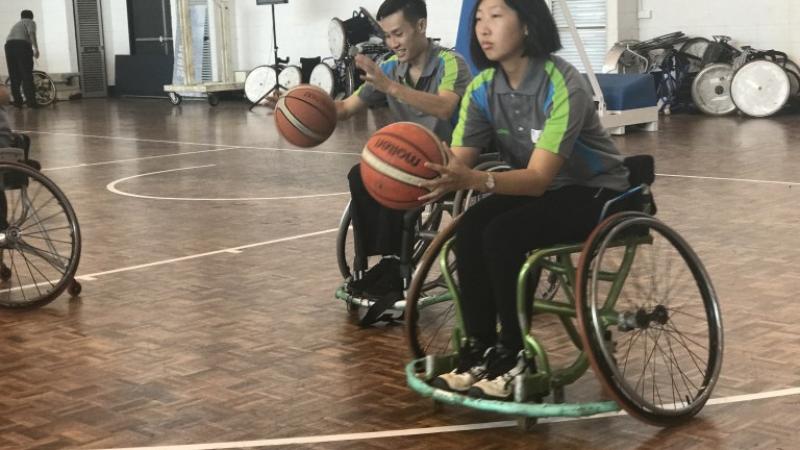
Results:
x,y
375,313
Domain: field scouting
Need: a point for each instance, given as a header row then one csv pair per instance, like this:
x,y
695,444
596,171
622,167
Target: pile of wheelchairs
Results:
x,y
40,239
713,75
634,299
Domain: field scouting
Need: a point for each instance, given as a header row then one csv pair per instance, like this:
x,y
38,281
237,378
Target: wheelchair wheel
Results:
x,y
640,277
45,88
40,241
426,228
432,321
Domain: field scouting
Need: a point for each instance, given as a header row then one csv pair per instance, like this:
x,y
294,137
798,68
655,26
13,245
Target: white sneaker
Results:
x,y
469,371
500,386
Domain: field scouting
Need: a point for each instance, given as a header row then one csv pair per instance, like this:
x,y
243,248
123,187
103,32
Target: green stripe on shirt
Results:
x,y
556,125
485,77
450,74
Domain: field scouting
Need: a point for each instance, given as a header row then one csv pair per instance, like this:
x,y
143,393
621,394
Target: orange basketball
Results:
x,y
393,164
305,116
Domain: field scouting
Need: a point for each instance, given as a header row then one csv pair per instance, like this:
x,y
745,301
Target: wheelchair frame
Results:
x,y
530,388
28,230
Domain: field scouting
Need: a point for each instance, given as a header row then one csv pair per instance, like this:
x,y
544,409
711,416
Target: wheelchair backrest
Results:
x,y
642,170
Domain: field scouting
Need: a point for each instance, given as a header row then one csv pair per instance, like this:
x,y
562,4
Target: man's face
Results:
x,y
405,39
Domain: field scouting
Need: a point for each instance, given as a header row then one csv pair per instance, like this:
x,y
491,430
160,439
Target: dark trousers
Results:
x,y
377,230
19,58
492,241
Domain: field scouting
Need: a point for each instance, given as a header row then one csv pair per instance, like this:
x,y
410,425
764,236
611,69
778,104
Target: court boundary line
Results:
x,y
305,440
199,144
143,158
112,187
294,150
230,250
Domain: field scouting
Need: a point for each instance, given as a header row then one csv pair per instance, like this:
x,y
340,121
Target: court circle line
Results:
x,y
112,187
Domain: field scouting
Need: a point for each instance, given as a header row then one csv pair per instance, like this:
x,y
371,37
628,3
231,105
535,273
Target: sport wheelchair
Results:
x,y
420,227
40,240
638,305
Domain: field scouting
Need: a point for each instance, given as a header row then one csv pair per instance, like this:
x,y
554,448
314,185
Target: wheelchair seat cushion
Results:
x,y
627,91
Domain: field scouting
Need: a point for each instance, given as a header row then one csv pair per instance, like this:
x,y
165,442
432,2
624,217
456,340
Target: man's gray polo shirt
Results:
x,y
553,110
22,31
445,70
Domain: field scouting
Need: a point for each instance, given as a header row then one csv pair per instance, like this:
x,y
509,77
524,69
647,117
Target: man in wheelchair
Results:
x,y
9,139
540,112
422,83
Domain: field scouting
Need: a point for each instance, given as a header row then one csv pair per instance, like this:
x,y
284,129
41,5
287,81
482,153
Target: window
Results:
x,y
591,18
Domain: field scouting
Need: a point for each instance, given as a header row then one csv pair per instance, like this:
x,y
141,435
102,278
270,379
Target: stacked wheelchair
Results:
x,y
40,240
635,300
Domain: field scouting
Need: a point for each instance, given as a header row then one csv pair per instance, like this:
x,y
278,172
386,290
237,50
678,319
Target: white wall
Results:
x,y
59,55
302,27
115,33
764,24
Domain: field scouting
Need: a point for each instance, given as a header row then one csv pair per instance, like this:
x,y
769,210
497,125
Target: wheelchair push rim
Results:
x,y
661,307
40,240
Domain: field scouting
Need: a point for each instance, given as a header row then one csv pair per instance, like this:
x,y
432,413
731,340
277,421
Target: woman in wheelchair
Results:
x,y
540,112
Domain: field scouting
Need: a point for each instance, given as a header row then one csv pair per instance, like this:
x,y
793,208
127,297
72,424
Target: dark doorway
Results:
x,y
149,66
150,25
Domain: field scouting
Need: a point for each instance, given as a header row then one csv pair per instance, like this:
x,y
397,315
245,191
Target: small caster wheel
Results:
x,y
351,307
5,273
526,424
175,99
75,288
213,99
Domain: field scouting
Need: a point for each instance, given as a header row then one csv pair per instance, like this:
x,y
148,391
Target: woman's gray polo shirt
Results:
x,y
552,110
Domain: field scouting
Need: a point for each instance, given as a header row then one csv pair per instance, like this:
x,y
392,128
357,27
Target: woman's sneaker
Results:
x,y
497,384
472,367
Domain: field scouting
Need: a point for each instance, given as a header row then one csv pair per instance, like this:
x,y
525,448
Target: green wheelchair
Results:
x,y
634,298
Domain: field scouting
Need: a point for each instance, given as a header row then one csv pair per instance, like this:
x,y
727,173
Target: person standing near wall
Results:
x,y
21,48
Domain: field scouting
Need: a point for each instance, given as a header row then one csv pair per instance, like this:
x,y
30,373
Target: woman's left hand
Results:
x,y
455,176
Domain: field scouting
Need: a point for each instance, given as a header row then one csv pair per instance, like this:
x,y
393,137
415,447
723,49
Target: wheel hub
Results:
x,y
642,319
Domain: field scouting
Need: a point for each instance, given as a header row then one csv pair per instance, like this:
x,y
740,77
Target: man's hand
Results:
x,y
36,53
374,74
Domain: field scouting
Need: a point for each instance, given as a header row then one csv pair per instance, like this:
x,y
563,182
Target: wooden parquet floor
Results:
x,y
250,344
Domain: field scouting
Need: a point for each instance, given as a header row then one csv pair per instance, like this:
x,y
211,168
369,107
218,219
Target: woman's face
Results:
x,y
499,30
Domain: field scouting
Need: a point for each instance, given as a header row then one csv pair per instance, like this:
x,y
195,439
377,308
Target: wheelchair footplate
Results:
x,y
529,389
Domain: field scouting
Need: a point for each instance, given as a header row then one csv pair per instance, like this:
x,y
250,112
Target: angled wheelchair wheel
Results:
x,y
45,88
426,228
432,321
40,240
640,282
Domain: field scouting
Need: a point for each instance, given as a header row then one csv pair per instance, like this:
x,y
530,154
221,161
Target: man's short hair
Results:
x,y
413,10
26,14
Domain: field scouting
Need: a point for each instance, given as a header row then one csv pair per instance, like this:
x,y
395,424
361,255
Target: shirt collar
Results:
x,y
532,76
430,65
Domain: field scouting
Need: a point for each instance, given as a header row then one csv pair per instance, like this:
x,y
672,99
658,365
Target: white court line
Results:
x,y
117,161
232,147
232,250
200,144
112,187
432,430
738,180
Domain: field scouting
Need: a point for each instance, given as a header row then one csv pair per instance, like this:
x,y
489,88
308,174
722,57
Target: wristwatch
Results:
x,y
489,182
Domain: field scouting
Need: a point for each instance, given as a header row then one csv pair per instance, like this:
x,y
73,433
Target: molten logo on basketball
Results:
x,y
398,152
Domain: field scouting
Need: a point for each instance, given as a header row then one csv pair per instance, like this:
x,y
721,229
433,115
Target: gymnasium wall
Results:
x,y
302,27
763,24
